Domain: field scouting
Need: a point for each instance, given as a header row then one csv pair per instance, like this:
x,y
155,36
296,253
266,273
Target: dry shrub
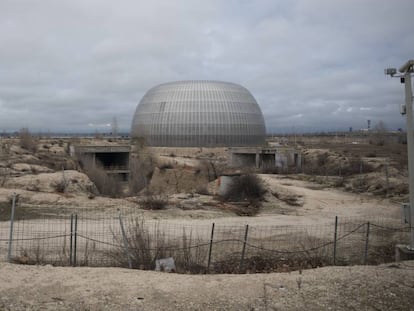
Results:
x,y
148,243
27,141
190,257
107,184
60,186
154,202
39,255
290,199
211,169
34,256
141,168
300,252
246,192
245,188
4,176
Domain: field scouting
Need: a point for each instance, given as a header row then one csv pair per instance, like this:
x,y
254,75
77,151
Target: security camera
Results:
x,y
403,109
390,71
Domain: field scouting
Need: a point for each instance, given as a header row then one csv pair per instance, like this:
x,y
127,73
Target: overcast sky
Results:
x,y
311,64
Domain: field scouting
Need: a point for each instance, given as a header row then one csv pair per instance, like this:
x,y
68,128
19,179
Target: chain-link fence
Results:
x,y
129,240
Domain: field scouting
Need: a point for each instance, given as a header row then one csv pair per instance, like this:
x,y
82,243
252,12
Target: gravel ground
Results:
x,y
385,287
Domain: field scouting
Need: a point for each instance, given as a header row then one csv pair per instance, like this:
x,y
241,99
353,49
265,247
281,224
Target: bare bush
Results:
x,y
211,169
147,243
154,202
27,141
141,168
107,184
380,134
290,199
60,186
244,188
4,176
249,191
190,258
145,246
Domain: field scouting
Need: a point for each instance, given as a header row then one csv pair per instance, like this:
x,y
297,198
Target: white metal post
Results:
x,y
9,251
410,147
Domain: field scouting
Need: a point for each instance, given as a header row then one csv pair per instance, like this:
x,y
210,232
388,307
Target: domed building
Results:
x,y
199,114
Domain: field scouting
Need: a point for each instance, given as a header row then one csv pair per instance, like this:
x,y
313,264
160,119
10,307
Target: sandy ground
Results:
x,y
386,287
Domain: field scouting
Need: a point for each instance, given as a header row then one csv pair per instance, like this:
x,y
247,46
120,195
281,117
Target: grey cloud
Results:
x,y
310,64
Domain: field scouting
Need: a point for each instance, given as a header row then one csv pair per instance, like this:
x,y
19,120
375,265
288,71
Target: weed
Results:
x,y
154,202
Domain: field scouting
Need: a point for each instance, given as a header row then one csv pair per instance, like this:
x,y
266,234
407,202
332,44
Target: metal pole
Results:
x,y
244,248
211,248
335,238
71,241
75,239
125,241
366,245
11,228
410,147
387,183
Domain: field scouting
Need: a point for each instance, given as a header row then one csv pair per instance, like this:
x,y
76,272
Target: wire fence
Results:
x,y
128,240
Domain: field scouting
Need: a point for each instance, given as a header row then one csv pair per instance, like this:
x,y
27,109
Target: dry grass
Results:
x,y
147,244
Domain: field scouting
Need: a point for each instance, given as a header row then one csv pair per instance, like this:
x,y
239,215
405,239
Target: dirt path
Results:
x,y
387,287
329,202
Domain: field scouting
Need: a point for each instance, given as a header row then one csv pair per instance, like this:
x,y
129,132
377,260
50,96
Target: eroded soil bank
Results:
x,y
385,287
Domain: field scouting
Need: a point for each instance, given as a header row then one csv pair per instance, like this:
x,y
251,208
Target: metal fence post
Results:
x,y
71,241
366,245
387,182
340,168
9,251
211,248
124,237
335,238
75,235
244,248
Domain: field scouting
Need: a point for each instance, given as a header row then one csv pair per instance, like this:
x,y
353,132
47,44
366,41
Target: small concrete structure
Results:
x,y
265,157
114,159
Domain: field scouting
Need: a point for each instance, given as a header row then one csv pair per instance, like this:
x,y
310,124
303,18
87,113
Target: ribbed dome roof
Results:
x,y
197,114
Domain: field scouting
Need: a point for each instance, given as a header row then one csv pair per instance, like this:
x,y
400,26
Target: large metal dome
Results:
x,y
199,114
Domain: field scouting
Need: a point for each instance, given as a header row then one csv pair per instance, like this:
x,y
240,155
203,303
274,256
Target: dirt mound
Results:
x,y
386,287
327,162
378,184
66,181
25,168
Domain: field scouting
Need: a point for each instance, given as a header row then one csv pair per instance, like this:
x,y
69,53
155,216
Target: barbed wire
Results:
x,y
36,238
403,229
309,249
